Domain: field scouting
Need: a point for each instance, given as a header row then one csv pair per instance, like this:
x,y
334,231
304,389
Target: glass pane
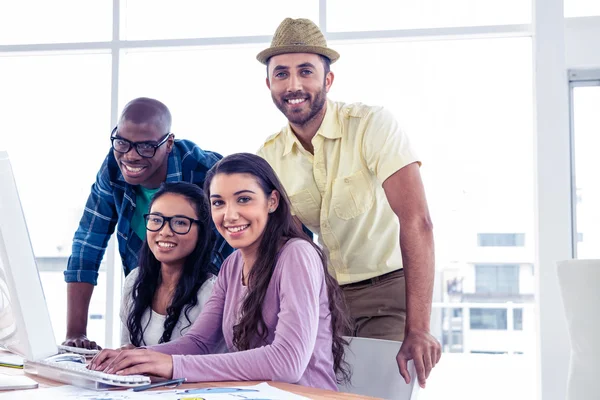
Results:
x,y
467,107
501,239
57,21
53,283
378,15
58,130
518,319
488,318
586,125
172,19
223,105
499,279
582,8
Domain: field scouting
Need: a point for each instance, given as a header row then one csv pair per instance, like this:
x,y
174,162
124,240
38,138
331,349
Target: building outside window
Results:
x,y
501,239
497,279
488,318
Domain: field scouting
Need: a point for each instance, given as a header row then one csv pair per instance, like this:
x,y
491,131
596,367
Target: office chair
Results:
x,y
375,370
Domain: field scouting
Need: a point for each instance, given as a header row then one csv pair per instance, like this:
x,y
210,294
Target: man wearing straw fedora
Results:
x,y
353,179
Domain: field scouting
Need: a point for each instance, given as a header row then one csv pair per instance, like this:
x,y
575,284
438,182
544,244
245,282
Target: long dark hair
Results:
x,y
280,225
196,269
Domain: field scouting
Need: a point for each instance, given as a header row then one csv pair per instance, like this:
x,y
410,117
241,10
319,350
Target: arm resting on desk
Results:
x,y
287,357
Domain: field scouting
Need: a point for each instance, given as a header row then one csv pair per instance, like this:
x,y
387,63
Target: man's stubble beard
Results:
x,y
316,105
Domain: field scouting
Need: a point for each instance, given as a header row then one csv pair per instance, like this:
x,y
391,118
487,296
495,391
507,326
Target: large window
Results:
x,y
56,128
177,19
457,74
354,15
57,21
57,115
582,8
211,102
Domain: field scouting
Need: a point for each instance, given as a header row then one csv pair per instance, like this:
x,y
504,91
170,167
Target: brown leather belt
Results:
x,y
374,280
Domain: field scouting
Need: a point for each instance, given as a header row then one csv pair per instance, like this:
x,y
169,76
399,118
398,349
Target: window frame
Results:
x,y
579,77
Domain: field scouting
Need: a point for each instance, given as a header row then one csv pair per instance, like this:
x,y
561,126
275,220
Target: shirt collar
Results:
x,y
329,128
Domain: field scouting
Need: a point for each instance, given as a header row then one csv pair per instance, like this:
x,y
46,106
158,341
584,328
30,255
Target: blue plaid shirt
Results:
x,y
112,203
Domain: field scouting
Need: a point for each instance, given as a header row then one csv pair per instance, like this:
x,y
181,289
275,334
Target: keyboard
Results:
x,y
76,374
77,350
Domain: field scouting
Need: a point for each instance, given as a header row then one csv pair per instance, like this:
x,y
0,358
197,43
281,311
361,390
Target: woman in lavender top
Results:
x,y
274,304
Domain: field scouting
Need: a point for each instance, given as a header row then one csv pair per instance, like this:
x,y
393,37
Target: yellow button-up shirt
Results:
x,y
337,192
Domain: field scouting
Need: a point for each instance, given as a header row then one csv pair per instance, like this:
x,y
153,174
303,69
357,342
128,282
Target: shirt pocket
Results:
x,y
352,195
306,208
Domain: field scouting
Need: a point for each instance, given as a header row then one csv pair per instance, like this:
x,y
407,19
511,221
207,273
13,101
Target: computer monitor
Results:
x,y
25,326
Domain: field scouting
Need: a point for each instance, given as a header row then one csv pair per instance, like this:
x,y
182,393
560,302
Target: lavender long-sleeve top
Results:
x,y
295,310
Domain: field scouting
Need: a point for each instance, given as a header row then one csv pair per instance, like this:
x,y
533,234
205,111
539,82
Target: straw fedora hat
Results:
x,y
298,36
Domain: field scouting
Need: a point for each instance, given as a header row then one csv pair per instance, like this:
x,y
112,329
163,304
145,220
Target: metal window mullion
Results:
x,y
582,75
474,32
113,274
323,16
464,32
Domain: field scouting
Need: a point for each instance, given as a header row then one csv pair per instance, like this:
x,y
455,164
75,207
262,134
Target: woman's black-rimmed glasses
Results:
x,y
179,224
144,149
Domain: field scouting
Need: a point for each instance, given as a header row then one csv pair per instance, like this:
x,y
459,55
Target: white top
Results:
x,y
154,322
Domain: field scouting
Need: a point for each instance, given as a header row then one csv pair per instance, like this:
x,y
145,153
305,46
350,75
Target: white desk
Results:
x,y
311,393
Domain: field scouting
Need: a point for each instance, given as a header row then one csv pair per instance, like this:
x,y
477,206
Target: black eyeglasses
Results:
x,y
179,224
144,149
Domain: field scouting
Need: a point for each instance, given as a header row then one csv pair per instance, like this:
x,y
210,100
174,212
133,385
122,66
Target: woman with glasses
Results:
x,y
279,311
175,277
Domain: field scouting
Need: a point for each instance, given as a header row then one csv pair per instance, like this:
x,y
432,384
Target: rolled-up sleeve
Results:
x,y
386,148
285,359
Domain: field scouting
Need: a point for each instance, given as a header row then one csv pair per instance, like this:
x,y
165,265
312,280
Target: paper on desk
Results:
x,y
11,360
262,391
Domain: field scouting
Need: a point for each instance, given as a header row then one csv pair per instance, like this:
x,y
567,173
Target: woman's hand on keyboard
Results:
x,y
103,359
139,362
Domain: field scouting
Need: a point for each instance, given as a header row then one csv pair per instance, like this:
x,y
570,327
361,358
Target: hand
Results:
x,y
103,360
139,361
424,350
81,341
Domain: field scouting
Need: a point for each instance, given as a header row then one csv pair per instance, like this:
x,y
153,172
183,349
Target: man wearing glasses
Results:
x,y
144,154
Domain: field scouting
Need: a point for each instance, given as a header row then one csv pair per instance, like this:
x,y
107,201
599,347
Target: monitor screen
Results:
x,y
25,326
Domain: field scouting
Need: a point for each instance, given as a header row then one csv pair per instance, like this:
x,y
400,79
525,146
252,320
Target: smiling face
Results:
x,y
167,246
299,85
137,170
240,209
